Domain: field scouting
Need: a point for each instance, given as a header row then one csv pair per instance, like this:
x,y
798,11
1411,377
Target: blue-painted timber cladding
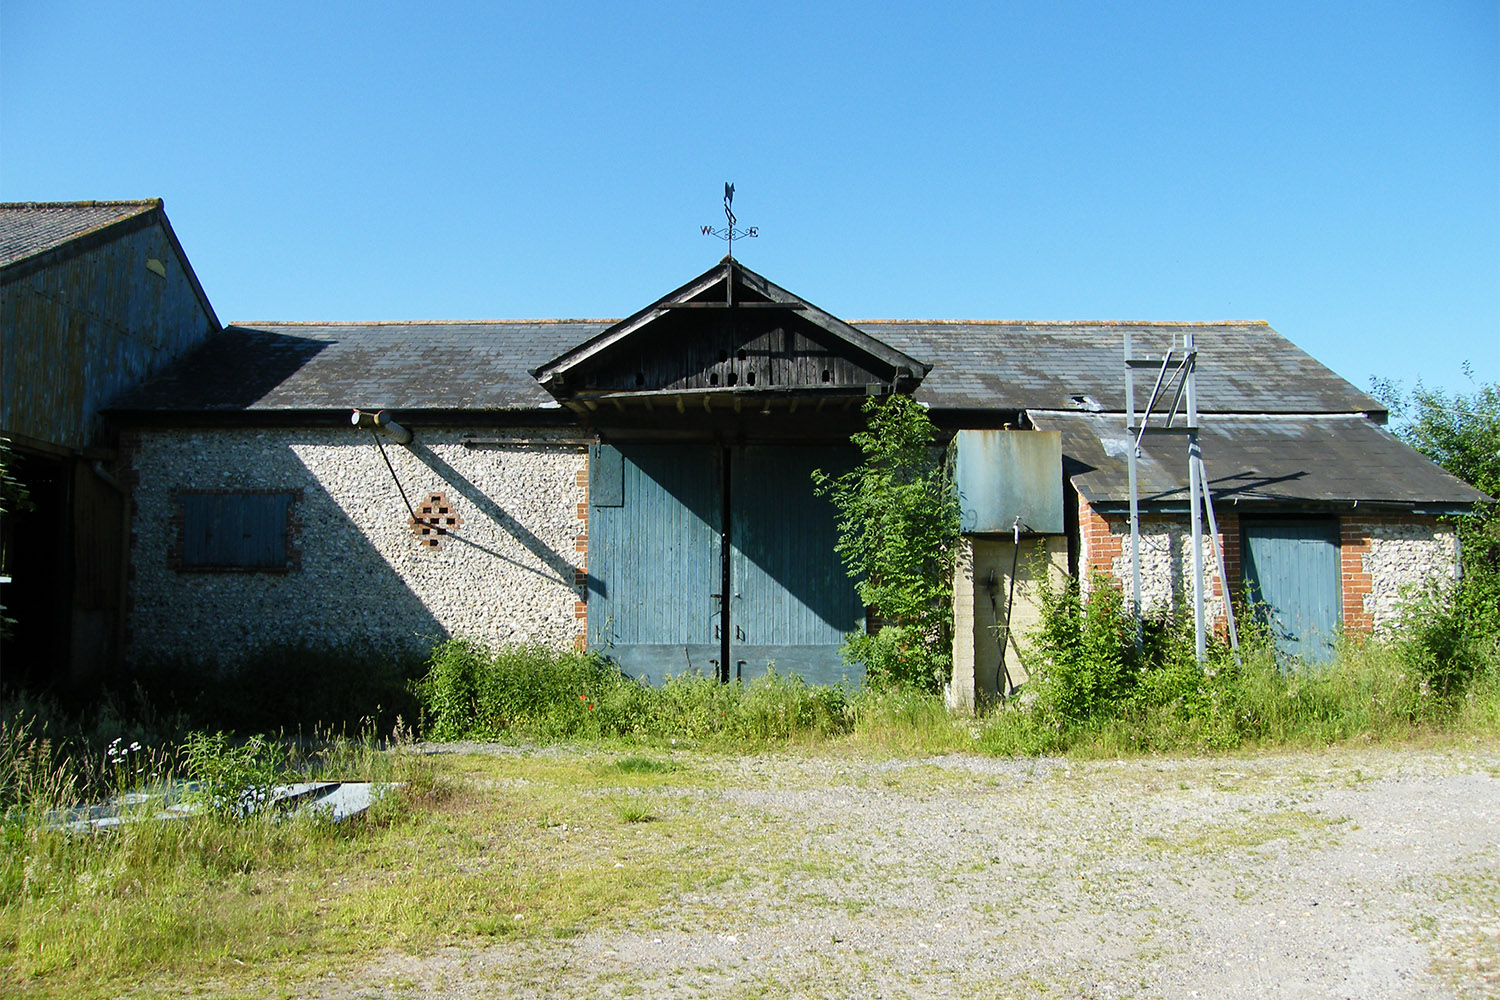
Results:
x,y
76,334
656,557
1003,475
1291,571
793,600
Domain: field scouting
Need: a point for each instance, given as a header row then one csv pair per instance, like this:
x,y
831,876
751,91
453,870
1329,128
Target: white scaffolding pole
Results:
x,y
1135,506
1195,492
1182,381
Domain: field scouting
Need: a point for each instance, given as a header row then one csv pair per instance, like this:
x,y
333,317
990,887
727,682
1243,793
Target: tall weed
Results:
x,y
535,693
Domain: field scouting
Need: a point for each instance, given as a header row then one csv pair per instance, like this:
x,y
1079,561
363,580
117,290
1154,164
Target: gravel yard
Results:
x,y
1353,872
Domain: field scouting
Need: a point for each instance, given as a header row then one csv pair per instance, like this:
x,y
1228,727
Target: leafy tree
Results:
x,y
898,528
1454,631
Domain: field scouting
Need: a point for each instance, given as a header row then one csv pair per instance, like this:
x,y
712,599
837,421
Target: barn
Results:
x,y
642,486
95,296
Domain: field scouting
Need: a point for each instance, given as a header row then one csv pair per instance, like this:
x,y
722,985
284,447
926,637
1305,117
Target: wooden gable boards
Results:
x,y
728,332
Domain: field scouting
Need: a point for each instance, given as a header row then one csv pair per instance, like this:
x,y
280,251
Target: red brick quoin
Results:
x,y
1106,538
581,563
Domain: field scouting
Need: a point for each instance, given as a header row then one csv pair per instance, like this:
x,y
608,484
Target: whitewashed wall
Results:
x,y
363,579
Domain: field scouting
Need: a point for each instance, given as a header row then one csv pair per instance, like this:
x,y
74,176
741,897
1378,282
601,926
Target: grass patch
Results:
x,y
1165,703
1244,833
534,693
634,810
643,765
483,847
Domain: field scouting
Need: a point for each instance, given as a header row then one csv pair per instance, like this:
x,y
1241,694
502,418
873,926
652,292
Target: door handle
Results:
x,y
739,634
716,633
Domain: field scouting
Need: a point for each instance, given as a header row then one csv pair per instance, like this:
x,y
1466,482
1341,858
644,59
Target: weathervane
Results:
x,y
728,233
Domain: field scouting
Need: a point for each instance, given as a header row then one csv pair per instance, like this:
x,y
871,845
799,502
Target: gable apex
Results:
x,y
729,328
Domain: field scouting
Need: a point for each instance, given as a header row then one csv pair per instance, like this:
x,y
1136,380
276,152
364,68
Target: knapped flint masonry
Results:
x,y
641,486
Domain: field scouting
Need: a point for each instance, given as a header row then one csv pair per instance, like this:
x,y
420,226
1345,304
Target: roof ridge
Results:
x,y
868,322
1064,322
137,202
414,322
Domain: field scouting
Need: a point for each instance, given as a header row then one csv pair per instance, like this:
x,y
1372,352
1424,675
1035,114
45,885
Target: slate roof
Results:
x,y
1243,367
1256,460
268,367
30,228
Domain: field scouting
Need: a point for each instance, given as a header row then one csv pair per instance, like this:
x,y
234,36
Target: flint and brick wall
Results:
x,y
1166,556
1381,557
510,568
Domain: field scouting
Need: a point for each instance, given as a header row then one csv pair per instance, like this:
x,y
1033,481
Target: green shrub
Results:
x,y
898,528
234,780
1085,651
472,692
1450,633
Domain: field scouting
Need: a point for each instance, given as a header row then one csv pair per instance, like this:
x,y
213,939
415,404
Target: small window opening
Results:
x,y
733,379
827,375
713,378
749,378
640,379
723,355
740,355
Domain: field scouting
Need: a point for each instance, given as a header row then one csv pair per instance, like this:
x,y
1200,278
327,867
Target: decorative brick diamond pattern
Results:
x,y
435,518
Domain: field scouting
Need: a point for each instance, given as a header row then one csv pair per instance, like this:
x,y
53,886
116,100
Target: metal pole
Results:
x,y
1135,502
1195,489
1213,530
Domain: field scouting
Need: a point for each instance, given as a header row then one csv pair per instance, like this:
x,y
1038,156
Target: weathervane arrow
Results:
x,y
729,232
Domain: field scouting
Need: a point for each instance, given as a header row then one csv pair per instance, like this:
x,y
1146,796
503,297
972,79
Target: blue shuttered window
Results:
x,y
235,530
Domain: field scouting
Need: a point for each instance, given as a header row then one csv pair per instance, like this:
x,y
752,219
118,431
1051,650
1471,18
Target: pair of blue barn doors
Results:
x,y
717,560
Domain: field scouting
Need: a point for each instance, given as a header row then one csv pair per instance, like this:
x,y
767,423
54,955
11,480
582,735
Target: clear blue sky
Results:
x,y
1332,168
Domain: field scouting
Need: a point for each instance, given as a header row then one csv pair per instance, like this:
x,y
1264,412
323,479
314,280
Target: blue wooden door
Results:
x,y
792,601
1292,581
654,542
657,559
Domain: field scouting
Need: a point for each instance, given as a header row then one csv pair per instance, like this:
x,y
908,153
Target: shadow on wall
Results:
x,y
561,570
333,635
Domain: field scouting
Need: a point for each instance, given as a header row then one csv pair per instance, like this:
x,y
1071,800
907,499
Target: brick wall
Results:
x,y
1166,556
1385,556
1354,552
1381,556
